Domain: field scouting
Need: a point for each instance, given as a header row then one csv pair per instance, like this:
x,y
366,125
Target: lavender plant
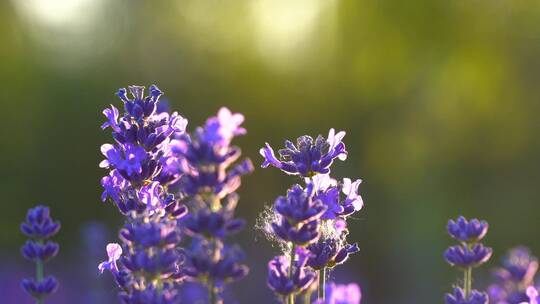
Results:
x,y
210,176
148,265
39,227
470,253
310,221
513,278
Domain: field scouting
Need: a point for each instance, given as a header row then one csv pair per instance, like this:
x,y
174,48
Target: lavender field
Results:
x,y
269,151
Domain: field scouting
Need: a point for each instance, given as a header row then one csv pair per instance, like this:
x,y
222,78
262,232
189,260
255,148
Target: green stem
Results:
x,y
322,284
307,297
467,281
39,275
291,264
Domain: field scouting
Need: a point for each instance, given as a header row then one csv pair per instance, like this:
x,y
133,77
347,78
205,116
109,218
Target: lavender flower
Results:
x,y
148,265
308,157
517,272
329,253
283,280
210,175
310,219
39,226
298,216
341,294
467,255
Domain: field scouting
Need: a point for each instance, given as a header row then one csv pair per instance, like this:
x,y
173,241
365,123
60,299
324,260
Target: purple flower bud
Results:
x,y
464,257
458,297
38,224
308,157
467,231
40,289
38,251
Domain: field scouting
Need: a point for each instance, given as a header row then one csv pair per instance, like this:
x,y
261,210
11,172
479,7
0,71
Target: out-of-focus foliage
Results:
x,y
440,100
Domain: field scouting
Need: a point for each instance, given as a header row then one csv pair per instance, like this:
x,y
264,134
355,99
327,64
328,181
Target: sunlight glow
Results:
x,y
285,27
58,13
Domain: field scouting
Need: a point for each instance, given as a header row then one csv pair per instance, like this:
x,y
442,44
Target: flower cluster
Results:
x,y
466,256
310,221
39,227
210,175
516,274
148,265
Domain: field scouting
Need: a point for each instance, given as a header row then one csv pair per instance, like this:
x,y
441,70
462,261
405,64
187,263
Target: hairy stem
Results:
x,y
291,264
322,284
212,292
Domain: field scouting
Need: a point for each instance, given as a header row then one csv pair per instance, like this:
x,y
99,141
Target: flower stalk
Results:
x,y
39,227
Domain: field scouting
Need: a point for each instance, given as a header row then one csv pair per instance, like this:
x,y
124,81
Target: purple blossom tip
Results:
x,y
39,224
221,129
308,156
468,231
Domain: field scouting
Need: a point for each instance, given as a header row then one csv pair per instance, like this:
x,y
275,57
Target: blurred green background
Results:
x,y
440,101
